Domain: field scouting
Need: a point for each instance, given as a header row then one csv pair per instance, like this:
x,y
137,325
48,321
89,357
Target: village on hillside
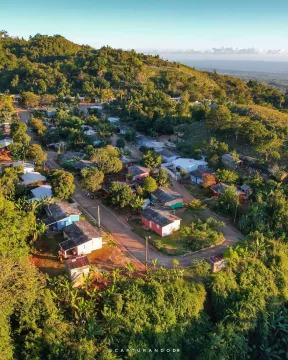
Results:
x,y
178,204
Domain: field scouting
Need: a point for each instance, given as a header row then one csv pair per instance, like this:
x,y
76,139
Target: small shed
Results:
x,y
77,268
217,262
247,190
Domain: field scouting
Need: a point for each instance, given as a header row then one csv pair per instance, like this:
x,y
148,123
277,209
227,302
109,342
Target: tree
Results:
x,y
137,203
106,159
150,184
229,201
120,143
219,118
196,206
120,194
175,263
161,177
226,176
208,180
17,131
92,178
36,154
29,99
62,183
47,99
151,159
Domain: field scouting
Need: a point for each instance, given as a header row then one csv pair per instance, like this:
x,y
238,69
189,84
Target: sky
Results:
x,y
153,24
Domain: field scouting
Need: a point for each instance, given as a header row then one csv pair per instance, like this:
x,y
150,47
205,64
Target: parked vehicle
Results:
x,y
91,196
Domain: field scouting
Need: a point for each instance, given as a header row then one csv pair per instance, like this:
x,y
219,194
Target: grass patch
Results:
x,y
197,191
169,245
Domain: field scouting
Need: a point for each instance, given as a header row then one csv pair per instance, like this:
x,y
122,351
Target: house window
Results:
x,y
158,227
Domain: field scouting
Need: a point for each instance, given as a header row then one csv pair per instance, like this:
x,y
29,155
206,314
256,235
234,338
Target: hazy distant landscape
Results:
x,y
273,72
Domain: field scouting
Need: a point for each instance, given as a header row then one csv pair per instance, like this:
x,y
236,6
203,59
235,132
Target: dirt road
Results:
x,y
121,231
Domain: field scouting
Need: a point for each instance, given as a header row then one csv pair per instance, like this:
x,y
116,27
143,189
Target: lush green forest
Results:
x,y
238,313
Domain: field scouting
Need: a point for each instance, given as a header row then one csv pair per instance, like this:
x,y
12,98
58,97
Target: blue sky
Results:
x,y
143,24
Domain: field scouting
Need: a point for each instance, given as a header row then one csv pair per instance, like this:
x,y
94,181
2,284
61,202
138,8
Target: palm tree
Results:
x,y
38,229
155,262
116,274
130,269
175,263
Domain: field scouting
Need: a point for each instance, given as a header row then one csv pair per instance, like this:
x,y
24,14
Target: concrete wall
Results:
x,y
78,274
89,246
168,229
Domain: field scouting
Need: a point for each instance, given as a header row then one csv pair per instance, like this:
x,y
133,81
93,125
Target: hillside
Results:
x,y
141,85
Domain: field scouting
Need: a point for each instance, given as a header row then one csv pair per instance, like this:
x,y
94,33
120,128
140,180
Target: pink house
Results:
x,y
162,222
138,172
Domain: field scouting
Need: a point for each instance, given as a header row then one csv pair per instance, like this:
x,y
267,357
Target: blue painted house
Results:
x,y
61,214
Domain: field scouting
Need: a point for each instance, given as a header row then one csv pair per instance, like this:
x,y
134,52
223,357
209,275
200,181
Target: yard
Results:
x,y
197,191
201,234
45,255
169,245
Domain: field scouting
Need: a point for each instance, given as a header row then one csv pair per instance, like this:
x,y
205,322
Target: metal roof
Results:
x,y
78,262
159,217
79,233
62,210
138,170
164,194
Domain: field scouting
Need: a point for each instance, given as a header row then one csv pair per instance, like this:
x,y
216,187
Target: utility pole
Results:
x,y
146,253
99,224
146,261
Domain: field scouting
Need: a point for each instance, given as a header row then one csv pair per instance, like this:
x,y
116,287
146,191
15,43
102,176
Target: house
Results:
x,y
123,129
77,268
127,161
90,132
188,164
167,197
32,178
82,238
217,262
4,143
26,166
138,172
51,112
220,188
162,222
113,120
197,176
61,214
228,160
42,192
168,156
97,107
